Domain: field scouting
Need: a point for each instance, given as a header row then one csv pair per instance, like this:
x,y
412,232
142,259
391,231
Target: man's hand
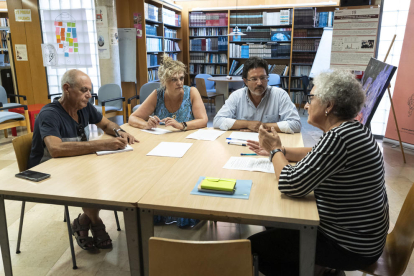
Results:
x,y
114,143
253,126
171,122
269,141
131,139
255,147
152,122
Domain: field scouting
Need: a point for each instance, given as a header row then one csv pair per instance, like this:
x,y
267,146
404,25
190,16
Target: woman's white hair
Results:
x,y
70,77
343,90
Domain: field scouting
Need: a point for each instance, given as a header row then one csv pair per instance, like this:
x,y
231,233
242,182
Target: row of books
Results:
x,y
272,34
171,45
152,12
168,33
174,56
170,17
303,58
284,17
297,83
209,44
236,72
152,74
275,50
207,69
325,19
4,44
4,22
207,57
154,44
299,70
151,29
304,17
296,97
208,19
279,69
152,60
306,44
307,32
208,31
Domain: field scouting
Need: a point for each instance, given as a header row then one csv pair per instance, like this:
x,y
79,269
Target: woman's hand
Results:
x,y
171,122
254,146
152,122
269,141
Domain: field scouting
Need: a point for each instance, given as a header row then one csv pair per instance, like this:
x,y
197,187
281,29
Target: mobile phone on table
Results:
x,y
33,175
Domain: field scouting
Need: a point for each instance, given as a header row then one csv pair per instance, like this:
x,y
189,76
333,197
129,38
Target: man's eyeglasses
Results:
x,y
81,133
175,80
262,79
309,98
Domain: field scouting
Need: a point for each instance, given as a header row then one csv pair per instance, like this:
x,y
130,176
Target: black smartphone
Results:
x,y
33,176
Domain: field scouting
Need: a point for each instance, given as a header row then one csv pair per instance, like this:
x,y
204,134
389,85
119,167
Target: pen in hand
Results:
x,y
116,133
242,154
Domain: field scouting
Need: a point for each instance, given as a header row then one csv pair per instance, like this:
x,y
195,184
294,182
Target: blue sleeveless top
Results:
x,y
183,114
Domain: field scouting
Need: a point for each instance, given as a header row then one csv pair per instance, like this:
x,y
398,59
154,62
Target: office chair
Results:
x,y
144,92
201,258
274,80
110,100
13,119
210,85
209,96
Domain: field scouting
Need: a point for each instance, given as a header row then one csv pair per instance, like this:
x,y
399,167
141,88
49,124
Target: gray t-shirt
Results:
x,y
53,120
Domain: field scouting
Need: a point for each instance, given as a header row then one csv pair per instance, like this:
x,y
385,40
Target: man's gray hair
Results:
x,y
343,89
70,77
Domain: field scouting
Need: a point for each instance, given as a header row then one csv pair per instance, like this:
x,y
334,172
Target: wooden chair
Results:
x,y
399,244
22,146
13,119
144,92
185,258
209,97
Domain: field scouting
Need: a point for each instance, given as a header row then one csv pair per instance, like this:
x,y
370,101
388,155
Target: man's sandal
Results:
x,y
99,239
82,241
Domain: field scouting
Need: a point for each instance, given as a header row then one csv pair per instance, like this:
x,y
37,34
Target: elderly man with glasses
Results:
x,y
257,103
62,129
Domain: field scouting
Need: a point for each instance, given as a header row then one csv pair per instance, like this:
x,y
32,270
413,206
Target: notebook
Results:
x,y
105,152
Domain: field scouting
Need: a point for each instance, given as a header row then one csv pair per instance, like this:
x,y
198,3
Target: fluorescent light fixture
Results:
x,y
236,31
259,7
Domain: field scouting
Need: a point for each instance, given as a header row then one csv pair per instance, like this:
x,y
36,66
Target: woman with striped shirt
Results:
x,y
346,173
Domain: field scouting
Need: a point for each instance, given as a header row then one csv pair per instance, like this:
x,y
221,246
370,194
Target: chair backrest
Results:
x,y
208,83
185,258
305,84
110,91
401,240
22,146
147,89
274,79
3,95
201,87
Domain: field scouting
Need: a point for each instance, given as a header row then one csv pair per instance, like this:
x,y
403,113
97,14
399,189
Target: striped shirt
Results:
x,y
345,170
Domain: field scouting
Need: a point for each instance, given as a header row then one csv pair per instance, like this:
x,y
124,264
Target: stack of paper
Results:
x,y
250,164
208,135
244,136
104,152
157,131
170,149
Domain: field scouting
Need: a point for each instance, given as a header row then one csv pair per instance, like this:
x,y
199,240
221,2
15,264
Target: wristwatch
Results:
x,y
184,126
273,152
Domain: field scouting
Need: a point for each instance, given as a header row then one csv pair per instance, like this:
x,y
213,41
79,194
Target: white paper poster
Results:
x,y
67,32
49,55
101,17
21,52
113,35
103,43
354,38
23,15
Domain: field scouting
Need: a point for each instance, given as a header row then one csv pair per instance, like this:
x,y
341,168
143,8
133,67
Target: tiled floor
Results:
x,y
45,248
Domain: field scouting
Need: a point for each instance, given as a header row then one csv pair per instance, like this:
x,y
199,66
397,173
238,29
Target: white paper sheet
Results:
x,y
105,152
249,164
208,135
157,131
244,136
170,149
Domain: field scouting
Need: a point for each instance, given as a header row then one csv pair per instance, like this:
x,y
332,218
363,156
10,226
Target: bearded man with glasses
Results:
x,y
258,103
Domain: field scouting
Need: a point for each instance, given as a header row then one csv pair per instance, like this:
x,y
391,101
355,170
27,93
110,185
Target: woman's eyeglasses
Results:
x,y
81,133
309,98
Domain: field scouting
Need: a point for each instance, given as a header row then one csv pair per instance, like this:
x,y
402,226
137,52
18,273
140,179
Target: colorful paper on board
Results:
x,y
76,50
75,39
70,50
69,30
59,23
57,40
62,30
67,39
56,23
76,45
57,31
66,54
69,24
67,34
60,45
70,44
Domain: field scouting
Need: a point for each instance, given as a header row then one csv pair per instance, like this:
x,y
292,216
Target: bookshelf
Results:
x,y
207,44
4,30
163,35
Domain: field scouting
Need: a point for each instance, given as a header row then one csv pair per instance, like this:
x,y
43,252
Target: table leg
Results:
x,y
132,236
4,239
14,131
307,250
147,231
222,87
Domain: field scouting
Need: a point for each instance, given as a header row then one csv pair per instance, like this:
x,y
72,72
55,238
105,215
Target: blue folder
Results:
x,y
243,188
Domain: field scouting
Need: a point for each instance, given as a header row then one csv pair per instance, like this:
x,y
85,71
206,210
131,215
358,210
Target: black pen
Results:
x,y
116,133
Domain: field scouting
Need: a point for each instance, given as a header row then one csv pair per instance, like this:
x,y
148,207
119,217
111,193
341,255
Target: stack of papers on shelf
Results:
x,y
105,152
157,131
250,164
207,135
170,149
244,136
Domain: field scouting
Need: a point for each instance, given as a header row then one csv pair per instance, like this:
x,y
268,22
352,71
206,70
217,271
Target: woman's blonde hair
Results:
x,y
169,68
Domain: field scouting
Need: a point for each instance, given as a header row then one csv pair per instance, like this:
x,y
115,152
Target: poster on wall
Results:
x,y
49,55
354,38
67,32
23,15
21,52
113,36
101,17
138,24
103,43
375,81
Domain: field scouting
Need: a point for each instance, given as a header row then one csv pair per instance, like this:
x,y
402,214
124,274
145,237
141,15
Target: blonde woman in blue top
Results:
x,y
174,104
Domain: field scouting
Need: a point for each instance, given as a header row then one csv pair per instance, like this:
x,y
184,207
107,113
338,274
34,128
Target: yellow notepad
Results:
x,y
218,184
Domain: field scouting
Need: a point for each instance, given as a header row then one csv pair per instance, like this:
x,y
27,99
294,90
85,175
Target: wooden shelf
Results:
x,y
4,49
172,38
201,51
205,36
152,21
171,26
260,41
303,64
208,63
155,36
172,51
263,58
154,52
309,28
154,66
262,26
4,28
208,26
308,37
303,51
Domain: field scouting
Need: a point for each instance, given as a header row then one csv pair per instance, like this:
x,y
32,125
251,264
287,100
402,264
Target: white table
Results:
x,y
222,87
